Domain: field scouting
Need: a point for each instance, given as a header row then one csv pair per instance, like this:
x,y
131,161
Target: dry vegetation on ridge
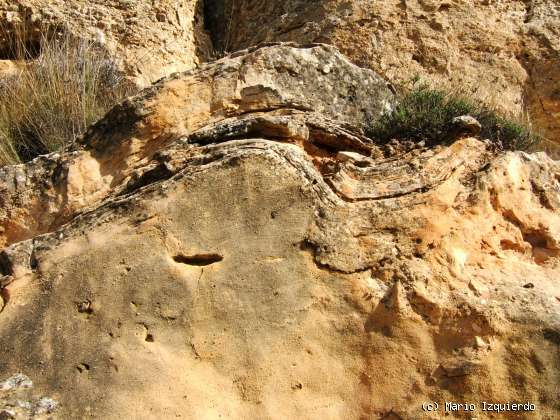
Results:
x,y
425,114
61,86
64,85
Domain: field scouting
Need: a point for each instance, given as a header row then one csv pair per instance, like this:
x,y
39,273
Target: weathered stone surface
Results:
x,y
507,51
18,400
148,39
117,151
467,124
247,253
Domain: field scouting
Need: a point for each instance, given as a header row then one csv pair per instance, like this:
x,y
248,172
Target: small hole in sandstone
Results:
x,y
552,335
198,259
85,307
536,239
82,367
361,164
33,263
307,245
5,293
150,338
6,266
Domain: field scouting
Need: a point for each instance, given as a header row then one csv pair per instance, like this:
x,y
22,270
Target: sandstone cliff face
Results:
x,y
148,39
507,51
228,244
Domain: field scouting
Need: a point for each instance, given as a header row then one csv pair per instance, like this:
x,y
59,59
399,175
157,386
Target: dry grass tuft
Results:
x,y
62,86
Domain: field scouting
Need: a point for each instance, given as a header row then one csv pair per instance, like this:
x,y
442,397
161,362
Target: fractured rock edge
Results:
x,y
55,187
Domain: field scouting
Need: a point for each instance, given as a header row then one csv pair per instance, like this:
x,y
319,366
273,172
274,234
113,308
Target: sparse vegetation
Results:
x,y
425,114
59,89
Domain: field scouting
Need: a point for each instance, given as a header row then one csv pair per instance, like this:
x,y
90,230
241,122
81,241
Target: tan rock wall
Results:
x,y
225,246
120,146
149,39
507,52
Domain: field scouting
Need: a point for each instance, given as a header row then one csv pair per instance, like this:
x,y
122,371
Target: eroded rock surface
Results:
x,y
507,51
229,244
18,400
295,92
148,39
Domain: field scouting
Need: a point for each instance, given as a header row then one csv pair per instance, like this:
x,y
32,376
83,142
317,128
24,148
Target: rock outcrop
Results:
x,y
229,244
119,152
507,51
147,39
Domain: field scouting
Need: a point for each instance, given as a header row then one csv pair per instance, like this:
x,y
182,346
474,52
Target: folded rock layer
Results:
x,y
229,244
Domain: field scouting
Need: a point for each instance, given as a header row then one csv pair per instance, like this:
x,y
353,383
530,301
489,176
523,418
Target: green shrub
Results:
x,y
57,93
425,114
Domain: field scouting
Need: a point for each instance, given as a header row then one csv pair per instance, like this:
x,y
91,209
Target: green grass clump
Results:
x,y
426,114
58,91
